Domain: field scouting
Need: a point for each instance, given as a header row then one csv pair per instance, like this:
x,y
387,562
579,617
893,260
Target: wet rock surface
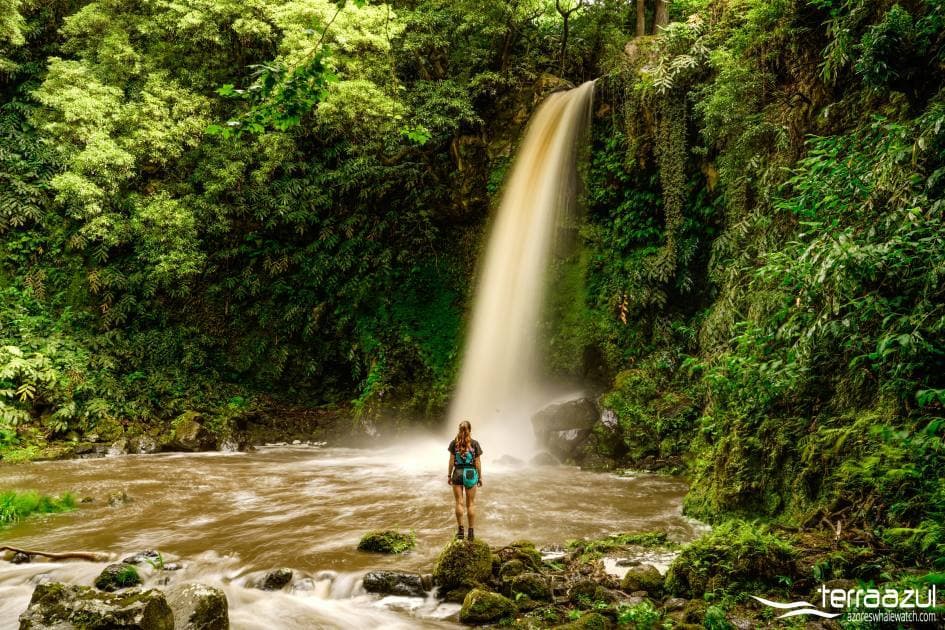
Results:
x,y
198,607
394,583
275,580
57,605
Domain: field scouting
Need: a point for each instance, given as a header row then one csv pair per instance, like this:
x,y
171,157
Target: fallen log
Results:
x,y
91,556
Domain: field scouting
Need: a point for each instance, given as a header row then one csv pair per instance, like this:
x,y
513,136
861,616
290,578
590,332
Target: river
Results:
x,y
229,517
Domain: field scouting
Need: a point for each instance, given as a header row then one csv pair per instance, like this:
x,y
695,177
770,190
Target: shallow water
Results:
x,y
228,517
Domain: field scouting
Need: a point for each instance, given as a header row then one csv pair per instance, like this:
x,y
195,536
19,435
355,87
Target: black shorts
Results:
x,y
457,479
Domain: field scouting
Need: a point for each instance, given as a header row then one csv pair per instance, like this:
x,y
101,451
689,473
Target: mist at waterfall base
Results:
x,y
501,384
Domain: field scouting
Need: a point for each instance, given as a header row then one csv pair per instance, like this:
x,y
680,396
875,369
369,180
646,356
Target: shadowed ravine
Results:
x,y
227,517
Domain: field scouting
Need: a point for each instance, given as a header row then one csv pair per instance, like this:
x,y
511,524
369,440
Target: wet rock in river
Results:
x,y
117,499
463,563
275,580
57,605
532,585
117,576
149,556
20,558
481,606
644,577
388,541
394,583
198,607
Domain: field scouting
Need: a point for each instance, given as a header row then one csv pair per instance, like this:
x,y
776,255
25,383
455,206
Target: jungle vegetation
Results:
x,y
220,205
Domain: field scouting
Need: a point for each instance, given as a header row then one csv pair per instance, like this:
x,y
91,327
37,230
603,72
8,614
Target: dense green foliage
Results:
x,y
16,505
224,205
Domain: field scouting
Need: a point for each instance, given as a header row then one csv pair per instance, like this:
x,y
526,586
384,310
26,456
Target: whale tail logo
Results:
x,y
796,608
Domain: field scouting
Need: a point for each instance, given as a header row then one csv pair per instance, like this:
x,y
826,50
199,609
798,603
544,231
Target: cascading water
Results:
x,y
500,383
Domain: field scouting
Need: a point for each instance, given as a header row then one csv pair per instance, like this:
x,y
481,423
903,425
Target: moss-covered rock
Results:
x,y
734,557
463,563
482,606
198,607
644,577
522,550
588,621
387,541
117,576
532,585
510,569
57,605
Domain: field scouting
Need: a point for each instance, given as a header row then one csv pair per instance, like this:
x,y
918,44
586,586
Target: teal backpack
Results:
x,y
466,464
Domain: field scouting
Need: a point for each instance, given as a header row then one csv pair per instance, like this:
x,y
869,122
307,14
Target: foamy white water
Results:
x,y
500,385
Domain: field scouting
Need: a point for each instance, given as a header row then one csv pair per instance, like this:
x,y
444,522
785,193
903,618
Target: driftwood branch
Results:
x,y
91,556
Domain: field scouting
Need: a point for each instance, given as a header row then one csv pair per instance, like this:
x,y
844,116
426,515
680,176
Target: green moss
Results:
x,y
592,549
17,504
643,578
482,606
387,541
736,556
463,563
588,621
118,576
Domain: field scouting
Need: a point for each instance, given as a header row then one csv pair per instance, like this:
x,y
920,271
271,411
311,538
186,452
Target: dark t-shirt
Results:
x,y
476,449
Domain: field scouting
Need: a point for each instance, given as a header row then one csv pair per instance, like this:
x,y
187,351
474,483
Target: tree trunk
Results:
x,y
661,18
641,18
564,42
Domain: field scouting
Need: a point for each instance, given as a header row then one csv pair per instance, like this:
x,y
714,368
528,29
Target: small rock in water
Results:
x,y
275,580
20,558
116,499
58,605
394,583
627,562
388,541
117,576
87,500
296,442
198,607
149,556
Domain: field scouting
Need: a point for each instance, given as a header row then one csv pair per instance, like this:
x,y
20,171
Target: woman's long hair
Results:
x,y
464,437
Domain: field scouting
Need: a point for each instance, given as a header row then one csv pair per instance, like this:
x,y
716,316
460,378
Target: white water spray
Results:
x,y
500,383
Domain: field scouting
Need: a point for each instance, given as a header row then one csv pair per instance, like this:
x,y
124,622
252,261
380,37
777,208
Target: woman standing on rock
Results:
x,y
465,473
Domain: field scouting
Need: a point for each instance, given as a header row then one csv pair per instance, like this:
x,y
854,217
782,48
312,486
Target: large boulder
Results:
x,y
482,606
189,434
198,607
644,577
57,605
563,428
394,583
532,585
463,564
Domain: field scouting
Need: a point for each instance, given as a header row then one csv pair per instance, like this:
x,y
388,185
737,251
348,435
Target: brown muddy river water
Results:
x,y
229,517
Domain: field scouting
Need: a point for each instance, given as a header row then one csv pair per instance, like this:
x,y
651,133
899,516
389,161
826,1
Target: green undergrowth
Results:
x,y
16,505
592,549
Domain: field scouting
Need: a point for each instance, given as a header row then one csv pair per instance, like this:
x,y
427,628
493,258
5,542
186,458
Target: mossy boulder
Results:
x,y
735,557
57,605
190,434
463,564
522,550
644,577
482,606
532,585
117,576
586,592
588,621
510,569
198,607
388,541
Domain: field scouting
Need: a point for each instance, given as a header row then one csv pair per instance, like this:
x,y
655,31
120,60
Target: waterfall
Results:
x,y
500,381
